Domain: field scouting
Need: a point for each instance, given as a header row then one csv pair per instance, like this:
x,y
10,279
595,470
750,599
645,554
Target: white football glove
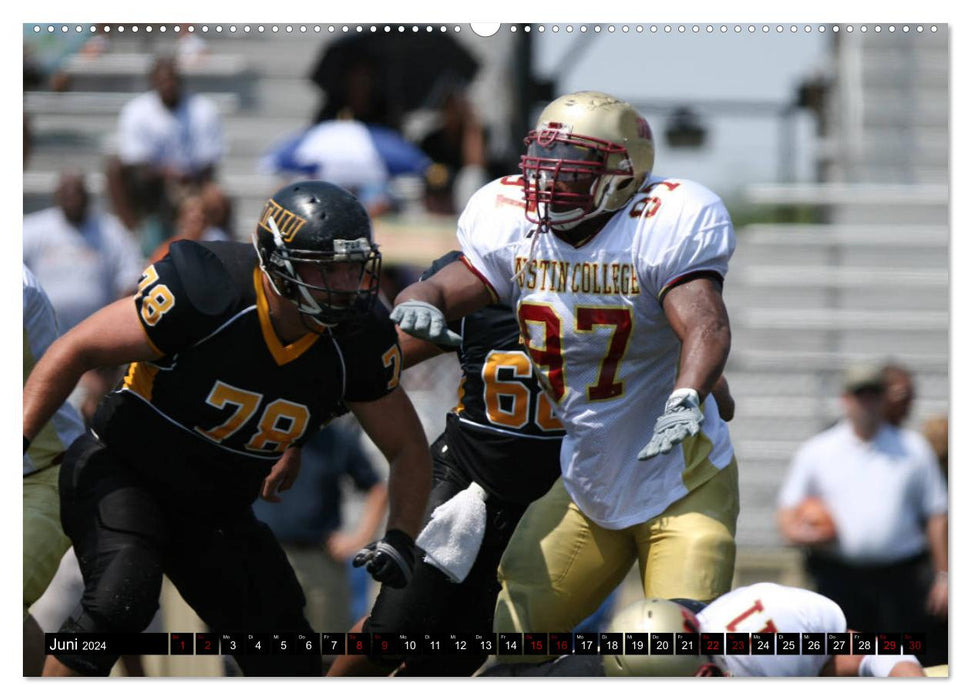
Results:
x,y
425,321
682,417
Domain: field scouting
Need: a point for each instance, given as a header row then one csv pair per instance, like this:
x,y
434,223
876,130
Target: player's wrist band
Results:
x,y
26,443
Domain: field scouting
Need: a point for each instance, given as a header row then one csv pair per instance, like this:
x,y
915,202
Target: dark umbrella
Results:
x,y
379,77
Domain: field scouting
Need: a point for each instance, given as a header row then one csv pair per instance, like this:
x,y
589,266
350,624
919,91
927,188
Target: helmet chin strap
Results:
x,y
609,186
315,325
566,226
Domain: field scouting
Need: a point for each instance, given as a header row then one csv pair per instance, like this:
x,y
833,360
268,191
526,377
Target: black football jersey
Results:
x,y
503,429
228,397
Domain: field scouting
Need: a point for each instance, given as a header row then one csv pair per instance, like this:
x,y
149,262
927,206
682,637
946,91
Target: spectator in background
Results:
x,y
168,142
362,158
458,148
219,211
193,223
353,89
900,394
354,140
868,500
85,259
81,255
308,523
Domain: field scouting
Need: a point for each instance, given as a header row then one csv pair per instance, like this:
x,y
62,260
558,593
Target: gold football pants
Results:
x,y
560,566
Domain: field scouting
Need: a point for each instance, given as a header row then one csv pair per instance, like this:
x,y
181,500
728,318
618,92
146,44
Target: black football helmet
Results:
x,y
317,222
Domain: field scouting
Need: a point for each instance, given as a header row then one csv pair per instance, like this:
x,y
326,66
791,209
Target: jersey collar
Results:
x,y
282,354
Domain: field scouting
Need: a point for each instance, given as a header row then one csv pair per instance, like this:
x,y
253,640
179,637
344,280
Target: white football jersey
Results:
x,y
592,320
769,607
40,330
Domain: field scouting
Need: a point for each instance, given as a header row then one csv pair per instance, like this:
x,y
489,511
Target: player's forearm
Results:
x,y
50,383
409,484
426,291
373,512
704,352
455,289
414,350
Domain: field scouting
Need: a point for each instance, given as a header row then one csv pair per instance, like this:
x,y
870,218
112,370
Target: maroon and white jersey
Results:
x,y
770,607
592,321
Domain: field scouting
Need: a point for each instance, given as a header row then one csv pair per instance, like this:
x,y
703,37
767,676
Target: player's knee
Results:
x,y
516,567
715,547
125,597
514,611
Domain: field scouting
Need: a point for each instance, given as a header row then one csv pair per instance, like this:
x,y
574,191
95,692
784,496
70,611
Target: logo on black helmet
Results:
x,y
288,223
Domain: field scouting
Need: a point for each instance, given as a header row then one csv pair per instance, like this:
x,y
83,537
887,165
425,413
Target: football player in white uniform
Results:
x,y
616,278
761,607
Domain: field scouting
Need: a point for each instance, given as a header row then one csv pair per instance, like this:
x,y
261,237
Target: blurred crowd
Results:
x,y
395,125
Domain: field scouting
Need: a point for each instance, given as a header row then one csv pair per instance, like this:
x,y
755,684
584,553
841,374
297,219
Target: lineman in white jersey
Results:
x,y
44,540
760,607
616,276
770,607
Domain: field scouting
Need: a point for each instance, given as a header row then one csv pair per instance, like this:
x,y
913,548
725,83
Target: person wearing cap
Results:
x,y
882,552
900,393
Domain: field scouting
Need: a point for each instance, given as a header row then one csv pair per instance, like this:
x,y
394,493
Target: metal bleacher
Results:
x,y
869,283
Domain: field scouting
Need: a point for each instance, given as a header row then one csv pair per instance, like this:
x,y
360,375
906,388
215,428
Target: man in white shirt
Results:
x,y
883,555
83,257
616,277
168,141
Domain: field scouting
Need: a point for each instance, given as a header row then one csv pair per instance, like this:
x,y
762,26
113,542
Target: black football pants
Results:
x,y
229,568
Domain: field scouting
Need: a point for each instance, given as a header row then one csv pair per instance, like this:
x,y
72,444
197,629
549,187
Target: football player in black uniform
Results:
x,y
503,436
237,357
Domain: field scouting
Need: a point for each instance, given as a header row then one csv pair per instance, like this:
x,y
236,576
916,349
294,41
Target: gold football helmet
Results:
x,y
660,616
588,155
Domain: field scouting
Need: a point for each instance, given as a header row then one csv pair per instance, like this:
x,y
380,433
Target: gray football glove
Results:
x,y
425,321
682,417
